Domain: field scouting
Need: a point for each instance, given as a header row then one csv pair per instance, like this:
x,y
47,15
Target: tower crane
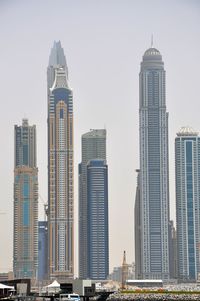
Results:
x,y
45,207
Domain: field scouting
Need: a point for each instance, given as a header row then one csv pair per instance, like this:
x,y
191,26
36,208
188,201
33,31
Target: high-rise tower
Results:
x,y
60,167
93,147
187,163
154,174
25,250
97,203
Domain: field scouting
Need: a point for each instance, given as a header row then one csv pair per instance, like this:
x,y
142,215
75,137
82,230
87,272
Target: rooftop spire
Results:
x,y
57,56
151,40
57,60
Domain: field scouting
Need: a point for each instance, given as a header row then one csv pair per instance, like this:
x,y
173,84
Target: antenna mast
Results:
x,y
152,41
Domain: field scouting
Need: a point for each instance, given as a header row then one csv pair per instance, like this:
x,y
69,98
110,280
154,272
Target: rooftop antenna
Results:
x,y
152,41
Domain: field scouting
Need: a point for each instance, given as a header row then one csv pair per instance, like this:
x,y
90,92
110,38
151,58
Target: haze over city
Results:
x,y
104,42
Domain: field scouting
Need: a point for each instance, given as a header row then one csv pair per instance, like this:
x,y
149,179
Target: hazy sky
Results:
x,y
104,42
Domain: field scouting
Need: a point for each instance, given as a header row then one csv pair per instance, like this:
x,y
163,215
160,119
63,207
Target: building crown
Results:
x,y
152,51
187,131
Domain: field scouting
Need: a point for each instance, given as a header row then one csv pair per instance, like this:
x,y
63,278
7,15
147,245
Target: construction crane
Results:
x,y
124,271
45,207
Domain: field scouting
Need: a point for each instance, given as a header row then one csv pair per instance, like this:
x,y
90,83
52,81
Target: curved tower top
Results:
x,y
60,79
57,60
57,56
152,52
152,59
187,131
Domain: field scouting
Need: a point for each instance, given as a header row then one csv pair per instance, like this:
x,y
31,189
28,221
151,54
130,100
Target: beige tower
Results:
x,y
60,168
25,247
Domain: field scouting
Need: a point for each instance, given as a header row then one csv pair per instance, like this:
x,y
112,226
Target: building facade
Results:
x,y
60,167
97,202
137,228
154,174
93,147
187,165
25,244
42,250
172,251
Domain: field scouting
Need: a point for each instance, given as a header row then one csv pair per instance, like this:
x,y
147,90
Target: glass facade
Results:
x,y
97,202
187,160
42,250
154,173
190,215
93,147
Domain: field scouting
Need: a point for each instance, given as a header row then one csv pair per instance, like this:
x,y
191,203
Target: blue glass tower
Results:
x,y
187,163
93,147
42,250
97,200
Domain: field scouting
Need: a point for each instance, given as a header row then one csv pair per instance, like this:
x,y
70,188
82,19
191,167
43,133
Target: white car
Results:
x,y
69,297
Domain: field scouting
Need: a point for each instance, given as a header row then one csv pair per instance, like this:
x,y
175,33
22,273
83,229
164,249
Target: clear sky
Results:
x,y
104,41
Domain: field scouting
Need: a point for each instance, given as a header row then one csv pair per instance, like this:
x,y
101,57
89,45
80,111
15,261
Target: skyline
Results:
x,y
93,59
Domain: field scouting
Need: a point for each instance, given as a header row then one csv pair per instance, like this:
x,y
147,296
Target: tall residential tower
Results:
x,y
187,163
60,167
154,174
25,250
97,199
93,147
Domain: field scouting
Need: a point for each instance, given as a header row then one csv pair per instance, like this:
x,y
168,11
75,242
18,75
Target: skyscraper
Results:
x,y
154,174
25,250
97,199
187,163
60,167
93,147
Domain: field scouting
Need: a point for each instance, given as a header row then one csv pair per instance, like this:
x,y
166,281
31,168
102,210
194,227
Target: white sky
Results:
x,y
104,42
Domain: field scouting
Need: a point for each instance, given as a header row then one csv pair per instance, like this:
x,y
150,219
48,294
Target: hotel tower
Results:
x,y
60,167
25,251
154,174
